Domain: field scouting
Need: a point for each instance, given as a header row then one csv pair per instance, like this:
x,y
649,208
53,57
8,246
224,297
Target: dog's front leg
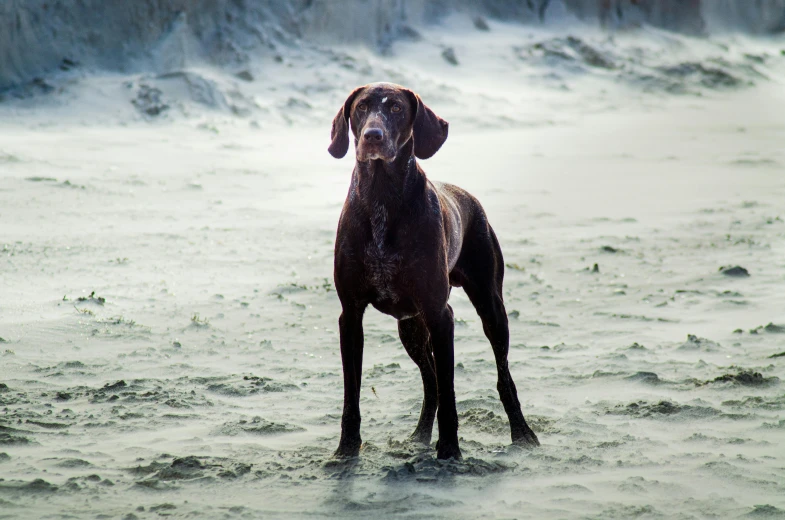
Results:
x,y
351,329
442,327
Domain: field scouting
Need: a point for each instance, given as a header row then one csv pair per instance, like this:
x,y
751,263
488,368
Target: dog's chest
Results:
x,y
381,264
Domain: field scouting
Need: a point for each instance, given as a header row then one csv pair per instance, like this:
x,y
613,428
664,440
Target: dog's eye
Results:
x,y
396,108
362,106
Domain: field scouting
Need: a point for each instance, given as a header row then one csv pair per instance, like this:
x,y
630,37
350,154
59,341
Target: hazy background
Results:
x,y
115,35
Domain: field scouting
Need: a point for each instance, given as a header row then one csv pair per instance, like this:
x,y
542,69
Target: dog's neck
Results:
x,y
382,188
377,182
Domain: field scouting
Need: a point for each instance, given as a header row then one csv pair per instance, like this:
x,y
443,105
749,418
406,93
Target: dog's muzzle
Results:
x,y
374,144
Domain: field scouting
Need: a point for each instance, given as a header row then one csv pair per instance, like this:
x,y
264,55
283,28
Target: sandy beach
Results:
x,y
168,322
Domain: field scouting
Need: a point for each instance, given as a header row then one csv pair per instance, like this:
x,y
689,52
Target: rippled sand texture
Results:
x,y
168,319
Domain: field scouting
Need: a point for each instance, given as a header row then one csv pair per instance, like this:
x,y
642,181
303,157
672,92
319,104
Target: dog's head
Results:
x,y
383,117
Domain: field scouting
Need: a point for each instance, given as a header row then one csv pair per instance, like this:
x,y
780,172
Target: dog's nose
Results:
x,y
373,134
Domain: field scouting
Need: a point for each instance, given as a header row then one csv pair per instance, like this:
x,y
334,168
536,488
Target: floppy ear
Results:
x,y
340,131
429,130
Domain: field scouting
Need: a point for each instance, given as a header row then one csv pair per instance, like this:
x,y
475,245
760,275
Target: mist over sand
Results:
x,y
168,322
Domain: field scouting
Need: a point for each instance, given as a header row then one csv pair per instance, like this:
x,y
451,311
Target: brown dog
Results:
x,y
403,242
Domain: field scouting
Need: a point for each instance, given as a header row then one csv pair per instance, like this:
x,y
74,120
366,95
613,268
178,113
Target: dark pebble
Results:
x,y
481,25
735,271
449,56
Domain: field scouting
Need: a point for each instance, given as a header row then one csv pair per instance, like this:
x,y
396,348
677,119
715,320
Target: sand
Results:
x,y
169,325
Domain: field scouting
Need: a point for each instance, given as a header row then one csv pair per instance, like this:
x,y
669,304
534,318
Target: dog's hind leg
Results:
x,y
416,340
481,274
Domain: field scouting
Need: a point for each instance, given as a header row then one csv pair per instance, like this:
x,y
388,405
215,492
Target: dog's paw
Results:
x,y
448,451
527,439
348,449
419,437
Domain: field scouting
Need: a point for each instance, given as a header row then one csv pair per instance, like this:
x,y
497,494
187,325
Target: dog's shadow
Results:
x,y
375,480
397,457
392,478
408,462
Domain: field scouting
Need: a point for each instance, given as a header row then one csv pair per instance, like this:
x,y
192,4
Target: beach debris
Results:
x,y
735,271
407,32
770,328
199,322
12,436
774,329
36,486
711,77
244,75
249,385
256,426
649,378
189,468
483,420
100,300
745,378
113,387
662,408
40,86
148,101
589,54
68,64
695,343
766,511
449,56
480,23
595,269
568,49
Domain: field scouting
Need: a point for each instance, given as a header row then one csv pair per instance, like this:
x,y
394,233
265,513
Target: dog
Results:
x,y
403,242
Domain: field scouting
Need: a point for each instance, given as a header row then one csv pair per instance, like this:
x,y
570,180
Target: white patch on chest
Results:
x,y
381,266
